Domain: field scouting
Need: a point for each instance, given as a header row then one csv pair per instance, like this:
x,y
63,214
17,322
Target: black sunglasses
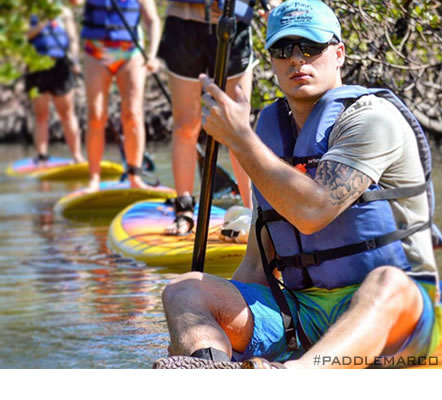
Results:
x,y
283,48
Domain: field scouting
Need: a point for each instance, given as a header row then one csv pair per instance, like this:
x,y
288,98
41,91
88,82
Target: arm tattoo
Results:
x,y
345,184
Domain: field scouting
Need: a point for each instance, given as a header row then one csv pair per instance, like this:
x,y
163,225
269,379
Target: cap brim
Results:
x,y
316,35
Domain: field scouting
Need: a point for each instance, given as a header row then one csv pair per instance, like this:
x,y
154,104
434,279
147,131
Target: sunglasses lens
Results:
x,y
284,48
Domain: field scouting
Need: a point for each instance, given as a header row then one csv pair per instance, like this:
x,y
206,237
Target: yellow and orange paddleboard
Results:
x,y
108,201
61,169
138,232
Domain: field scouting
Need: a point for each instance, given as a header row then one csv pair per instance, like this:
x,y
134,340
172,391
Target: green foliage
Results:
x,y
16,53
389,43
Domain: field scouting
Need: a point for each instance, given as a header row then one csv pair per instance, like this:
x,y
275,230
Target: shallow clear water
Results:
x,y
66,301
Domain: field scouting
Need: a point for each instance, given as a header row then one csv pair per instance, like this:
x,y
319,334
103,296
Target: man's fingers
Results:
x,y
210,87
240,96
208,100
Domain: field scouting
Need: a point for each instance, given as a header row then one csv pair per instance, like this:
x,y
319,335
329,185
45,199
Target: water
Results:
x,y
66,301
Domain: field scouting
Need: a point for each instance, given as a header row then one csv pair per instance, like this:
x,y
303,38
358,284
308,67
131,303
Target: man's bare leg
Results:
x,y
40,106
204,311
97,81
383,313
186,112
65,108
130,80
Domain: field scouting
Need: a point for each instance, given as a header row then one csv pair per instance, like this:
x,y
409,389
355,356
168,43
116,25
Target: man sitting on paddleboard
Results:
x,y
344,269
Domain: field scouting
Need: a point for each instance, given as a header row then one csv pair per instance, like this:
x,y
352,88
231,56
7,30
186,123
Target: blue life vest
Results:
x,y
363,237
52,40
101,20
243,8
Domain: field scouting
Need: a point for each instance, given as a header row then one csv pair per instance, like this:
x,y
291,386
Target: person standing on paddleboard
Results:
x,y
345,269
111,54
57,39
188,47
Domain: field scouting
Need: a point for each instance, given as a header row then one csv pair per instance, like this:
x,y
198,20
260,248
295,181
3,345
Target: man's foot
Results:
x,y
139,184
41,159
188,362
93,186
78,159
181,226
183,223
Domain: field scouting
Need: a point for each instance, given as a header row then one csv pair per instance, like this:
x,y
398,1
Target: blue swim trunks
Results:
x,y
319,309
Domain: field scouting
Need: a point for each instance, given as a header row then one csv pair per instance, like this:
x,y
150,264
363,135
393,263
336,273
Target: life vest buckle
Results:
x,y
307,260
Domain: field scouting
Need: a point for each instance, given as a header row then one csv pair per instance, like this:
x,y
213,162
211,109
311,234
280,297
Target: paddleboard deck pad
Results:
x,y
138,232
60,168
108,201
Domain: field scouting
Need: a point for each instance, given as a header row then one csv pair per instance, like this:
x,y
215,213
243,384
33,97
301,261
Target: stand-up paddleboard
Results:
x,y
60,168
108,201
138,232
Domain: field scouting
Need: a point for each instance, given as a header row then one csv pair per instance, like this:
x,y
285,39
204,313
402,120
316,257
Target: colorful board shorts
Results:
x,y
112,53
57,80
319,309
189,49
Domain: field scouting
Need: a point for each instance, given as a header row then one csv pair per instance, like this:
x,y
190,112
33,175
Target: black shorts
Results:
x,y
57,80
189,50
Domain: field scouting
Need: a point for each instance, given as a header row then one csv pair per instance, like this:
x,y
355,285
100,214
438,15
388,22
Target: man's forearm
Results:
x,y
152,24
291,193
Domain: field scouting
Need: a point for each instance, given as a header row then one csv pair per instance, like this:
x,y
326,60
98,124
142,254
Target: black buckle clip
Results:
x,y
371,244
308,259
292,343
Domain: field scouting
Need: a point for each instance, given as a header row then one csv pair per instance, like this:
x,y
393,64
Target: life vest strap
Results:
x,y
309,161
110,8
109,27
304,260
291,331
391,194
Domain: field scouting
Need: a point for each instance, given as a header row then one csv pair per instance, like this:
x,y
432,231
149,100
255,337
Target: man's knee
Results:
x,y
187,129
388,287
131,116
183,288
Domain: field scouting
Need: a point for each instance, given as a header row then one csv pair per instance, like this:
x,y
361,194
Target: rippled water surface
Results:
x,y
66,301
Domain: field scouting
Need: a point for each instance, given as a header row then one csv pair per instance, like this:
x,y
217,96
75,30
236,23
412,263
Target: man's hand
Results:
x,y
226,119
153,64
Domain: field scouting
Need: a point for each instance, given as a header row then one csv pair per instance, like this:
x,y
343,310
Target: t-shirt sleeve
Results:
x,y
368,137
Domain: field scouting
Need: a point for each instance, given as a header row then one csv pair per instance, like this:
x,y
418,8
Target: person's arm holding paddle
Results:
x,y
301,200
153,26
74,44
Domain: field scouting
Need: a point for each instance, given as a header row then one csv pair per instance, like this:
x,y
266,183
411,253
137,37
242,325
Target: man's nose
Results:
x,y
297,55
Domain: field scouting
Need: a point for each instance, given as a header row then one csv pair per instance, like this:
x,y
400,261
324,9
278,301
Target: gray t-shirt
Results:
x,y
374,138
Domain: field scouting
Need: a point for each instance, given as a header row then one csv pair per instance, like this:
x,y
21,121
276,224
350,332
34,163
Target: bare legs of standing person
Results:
x,y
64,106
186,111
66,111
97,80
130,79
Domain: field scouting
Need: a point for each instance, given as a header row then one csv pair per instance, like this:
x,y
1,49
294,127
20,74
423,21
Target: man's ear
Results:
x,y
340,54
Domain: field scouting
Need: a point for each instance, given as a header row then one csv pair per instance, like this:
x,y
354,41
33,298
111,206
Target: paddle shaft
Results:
x,y
135,41
225,31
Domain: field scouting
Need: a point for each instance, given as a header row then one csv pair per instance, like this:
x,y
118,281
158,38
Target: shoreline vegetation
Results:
x,y
395,44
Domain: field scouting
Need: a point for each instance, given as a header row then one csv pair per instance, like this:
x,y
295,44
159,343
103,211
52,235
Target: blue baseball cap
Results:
x,y
310,19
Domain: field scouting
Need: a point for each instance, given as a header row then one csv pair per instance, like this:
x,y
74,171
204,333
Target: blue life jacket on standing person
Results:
x,y
243,8
364,236
52,40
101,20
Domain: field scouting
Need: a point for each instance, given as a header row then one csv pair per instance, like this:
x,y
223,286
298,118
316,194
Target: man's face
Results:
x,y
306,78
